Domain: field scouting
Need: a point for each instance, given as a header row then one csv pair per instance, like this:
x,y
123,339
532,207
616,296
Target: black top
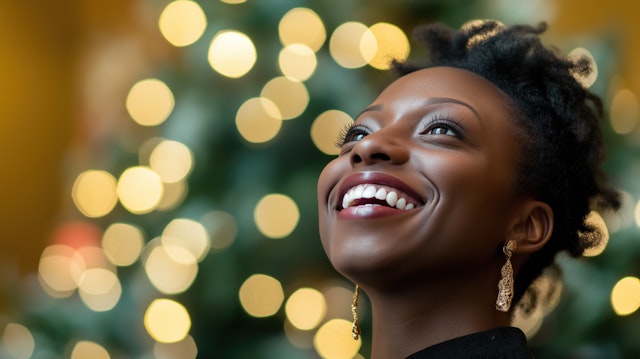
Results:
x,y
504,343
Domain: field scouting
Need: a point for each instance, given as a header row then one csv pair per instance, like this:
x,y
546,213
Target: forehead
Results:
x,y
449,82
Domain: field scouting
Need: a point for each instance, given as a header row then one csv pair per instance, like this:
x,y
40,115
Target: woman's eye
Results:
x,y
352,134
442,130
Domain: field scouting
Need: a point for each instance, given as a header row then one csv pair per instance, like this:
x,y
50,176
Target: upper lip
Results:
x,y
376,178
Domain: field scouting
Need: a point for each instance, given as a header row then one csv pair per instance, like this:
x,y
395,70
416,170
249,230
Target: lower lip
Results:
x,y
369,212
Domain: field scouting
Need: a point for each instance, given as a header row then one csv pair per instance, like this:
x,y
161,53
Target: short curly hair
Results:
x,y
558,118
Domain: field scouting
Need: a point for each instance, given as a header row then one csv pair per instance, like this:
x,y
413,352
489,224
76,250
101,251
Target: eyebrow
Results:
x,y
431,101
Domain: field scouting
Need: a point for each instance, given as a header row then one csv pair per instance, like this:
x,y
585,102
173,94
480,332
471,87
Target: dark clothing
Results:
x,y
504,343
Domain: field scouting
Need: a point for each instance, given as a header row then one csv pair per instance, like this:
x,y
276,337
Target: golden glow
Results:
x,y
276,215
333,340
222,228
59,270
182,22
297,61
122,243
167,321
595,219
624,112
326,129
171,160
139,189
184,349
171,269
233,1
305,308
352,45
17,341
302,26
289,95
477,38
150,102
577,54
86,349
232,53
99,289
189,235
261,295
625,296
94,193
392,44
173,195
258,120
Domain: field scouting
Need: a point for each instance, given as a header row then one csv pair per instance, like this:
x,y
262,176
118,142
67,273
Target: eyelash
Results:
x,y
444,121
349,130
439,121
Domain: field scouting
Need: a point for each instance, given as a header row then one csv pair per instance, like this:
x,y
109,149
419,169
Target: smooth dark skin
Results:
x,y
431,272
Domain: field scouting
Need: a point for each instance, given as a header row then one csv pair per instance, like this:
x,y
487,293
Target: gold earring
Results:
x,y
355,328
505,286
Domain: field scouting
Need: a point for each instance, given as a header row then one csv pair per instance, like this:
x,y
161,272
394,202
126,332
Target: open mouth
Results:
x,y
376,195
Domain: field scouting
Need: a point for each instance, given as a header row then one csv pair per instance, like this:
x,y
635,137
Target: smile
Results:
x,y
374,195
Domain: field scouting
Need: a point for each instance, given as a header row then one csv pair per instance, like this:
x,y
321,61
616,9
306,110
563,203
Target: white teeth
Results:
x,y
402,203
369,192
382,194
392,198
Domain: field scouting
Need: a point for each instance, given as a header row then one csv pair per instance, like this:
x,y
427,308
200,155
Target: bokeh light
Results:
x,y
182,22
302,26
595,220
122,243
624,112
183,349
276,215
173,195
139,189
352,45
189,235
578,54
625,296
333,340
99,289
326,129
258,120
297,61
232,53
392,44
170,269
289,95
171,160
233,1
222,228
261,295
59,270
18,341
94,193
305,308
89,350
150,102
167,321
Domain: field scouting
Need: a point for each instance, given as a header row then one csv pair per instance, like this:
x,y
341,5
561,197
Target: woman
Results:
x,y
459,185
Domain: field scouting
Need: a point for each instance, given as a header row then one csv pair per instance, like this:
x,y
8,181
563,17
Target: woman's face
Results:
x,y
424,181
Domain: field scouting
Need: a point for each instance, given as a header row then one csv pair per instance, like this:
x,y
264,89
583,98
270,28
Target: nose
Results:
x,y
379,147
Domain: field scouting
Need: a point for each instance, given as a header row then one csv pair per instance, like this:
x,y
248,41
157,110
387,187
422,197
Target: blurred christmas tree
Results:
x,y
192,223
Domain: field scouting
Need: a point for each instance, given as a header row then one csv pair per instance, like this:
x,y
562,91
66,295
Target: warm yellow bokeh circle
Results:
x,y
276,215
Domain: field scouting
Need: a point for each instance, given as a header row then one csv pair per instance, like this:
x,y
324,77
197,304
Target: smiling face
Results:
x,y
424,182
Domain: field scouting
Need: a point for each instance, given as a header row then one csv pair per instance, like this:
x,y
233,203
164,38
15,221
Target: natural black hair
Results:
x,y
559,121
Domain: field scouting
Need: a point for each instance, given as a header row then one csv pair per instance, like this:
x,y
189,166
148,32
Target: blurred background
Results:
x,y
159,162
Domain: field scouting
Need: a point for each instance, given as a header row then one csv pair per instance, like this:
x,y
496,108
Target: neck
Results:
x,y
408,319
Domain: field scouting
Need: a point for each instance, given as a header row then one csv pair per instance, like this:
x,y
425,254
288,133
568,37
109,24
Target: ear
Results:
x,y
533,226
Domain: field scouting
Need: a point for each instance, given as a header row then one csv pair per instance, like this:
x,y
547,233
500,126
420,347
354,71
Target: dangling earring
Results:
x,y
355,328
505,286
